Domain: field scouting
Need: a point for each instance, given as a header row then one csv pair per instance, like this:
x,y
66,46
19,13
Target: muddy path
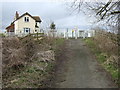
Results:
x,y
78,68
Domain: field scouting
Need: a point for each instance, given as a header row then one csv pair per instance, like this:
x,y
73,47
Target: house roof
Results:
x,y
36,18
10,28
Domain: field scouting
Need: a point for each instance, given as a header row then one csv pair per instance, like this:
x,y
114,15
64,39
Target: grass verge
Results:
x,y
102,58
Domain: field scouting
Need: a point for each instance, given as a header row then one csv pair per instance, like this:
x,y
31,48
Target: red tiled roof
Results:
x,y
10,28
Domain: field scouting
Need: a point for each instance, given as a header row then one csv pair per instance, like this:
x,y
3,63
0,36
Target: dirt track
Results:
x,y
80,68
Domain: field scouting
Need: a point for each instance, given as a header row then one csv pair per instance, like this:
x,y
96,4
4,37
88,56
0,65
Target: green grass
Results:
x,y
56,43
2,35
59,41
31,76
89,42
113,71
102,57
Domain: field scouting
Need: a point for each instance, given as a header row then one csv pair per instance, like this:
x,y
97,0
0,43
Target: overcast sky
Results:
x,y
48,12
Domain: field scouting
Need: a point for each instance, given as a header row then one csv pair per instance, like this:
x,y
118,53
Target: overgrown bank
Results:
x,y
27,63
105,47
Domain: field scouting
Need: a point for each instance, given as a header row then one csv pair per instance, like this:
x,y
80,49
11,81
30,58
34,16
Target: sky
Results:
x,y
59,12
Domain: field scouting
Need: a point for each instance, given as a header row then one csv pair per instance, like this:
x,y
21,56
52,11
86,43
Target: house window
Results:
x,y
26,19
35,30
26,30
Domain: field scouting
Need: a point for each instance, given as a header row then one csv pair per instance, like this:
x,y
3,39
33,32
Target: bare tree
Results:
x,y
108,12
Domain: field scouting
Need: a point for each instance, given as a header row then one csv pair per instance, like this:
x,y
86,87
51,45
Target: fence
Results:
x,y
37,35
62,33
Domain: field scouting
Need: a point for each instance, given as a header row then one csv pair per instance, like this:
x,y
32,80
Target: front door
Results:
x,y
26,30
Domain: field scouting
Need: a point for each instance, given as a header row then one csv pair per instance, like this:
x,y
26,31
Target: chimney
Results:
x,y
16,15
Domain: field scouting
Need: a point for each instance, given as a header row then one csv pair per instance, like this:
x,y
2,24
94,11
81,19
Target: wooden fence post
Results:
x,y
37,35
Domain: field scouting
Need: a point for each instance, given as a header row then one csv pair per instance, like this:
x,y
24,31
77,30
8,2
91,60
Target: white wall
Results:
x,y
20,24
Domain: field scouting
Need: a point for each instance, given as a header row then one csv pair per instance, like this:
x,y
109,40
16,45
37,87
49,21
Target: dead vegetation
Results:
x,y
108,43
12,55
16,53
27,62
105,47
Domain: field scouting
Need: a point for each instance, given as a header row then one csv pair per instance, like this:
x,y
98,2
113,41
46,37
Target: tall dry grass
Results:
x,y
108,43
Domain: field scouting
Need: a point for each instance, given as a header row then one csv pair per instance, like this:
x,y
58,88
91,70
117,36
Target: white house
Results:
x,y
24,24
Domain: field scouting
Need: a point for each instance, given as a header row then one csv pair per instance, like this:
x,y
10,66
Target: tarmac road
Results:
x,y
81,70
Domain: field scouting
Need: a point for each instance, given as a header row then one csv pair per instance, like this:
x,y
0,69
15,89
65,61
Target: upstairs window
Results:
x,y
26,19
